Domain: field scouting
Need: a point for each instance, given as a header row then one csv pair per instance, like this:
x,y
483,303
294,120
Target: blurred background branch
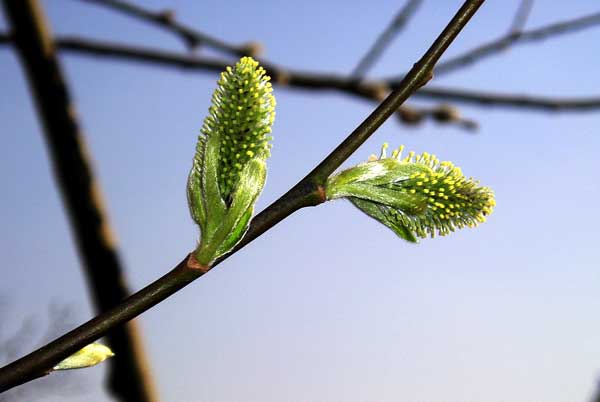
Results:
x,y
129,374
516,36
165,19
385,38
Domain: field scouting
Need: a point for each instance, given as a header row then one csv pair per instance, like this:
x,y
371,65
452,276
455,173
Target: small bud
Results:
x,y
417,196
445,114
89,356
410,116
229,170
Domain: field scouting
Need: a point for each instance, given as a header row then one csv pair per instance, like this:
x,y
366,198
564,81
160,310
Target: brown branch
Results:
x,y
480,98
129,375
165,19
372,90
385,38
281,76
517,38
308,192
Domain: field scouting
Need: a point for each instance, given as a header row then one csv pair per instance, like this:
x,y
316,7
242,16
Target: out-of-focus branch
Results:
x,y
5,38
129,375
520,17
596,393
517,38
530,102
166,20
385,38
368,89
307,192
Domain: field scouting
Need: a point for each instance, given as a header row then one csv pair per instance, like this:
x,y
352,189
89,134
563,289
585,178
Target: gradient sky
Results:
x,y
328,306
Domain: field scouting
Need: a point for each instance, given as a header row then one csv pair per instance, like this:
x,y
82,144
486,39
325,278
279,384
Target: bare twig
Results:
x,y
308,192
385,38
371,92
517,38
129,375
480,98
165,19
368,89
520,18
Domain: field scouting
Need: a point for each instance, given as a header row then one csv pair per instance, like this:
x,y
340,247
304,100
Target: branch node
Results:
x,y
193,264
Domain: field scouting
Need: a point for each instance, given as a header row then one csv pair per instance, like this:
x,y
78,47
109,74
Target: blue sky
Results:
x,y
328,306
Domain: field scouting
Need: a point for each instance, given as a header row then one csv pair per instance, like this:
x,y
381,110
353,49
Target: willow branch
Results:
x,y
385,38
517,38
308,192
165,19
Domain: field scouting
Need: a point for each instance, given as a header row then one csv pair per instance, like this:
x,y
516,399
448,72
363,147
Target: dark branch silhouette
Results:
x,y
410,116
514,38
542,103
520,17
165,19
129,373
385,38
372,90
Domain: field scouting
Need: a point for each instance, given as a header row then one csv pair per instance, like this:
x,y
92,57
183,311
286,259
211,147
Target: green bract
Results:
x,y
417,196
229,170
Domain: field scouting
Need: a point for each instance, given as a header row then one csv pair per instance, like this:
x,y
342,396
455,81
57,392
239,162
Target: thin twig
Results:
x,y
165,19
368,89
374,92
385,38
548,104
496,46
520,17
308,192
129,375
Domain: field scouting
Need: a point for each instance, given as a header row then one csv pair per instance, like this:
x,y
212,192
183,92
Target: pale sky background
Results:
x,y
328,306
